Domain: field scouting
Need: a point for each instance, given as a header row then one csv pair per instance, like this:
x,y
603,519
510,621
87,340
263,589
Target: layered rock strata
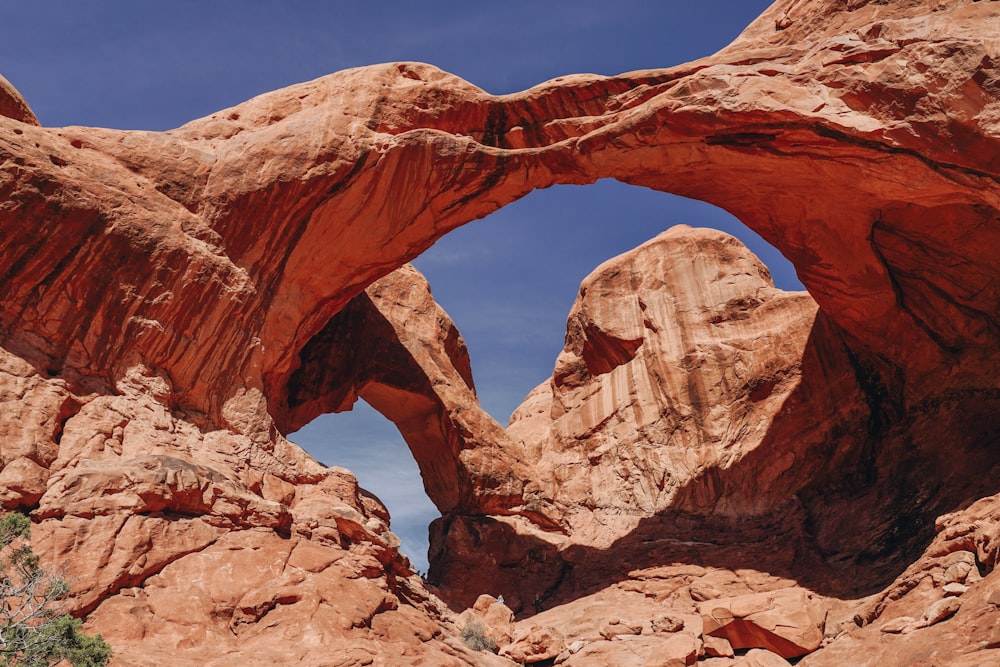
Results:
x,y
171,303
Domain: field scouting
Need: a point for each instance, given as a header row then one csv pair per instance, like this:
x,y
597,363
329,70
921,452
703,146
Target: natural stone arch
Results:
x,y
273,231
394,347
280,235
175,278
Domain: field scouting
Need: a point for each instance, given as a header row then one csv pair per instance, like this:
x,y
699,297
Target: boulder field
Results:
x,y
718,472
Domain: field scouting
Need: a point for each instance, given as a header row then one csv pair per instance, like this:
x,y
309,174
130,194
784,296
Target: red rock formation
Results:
x,y
786,622
164,298
13,105
678,355
688,384
397,349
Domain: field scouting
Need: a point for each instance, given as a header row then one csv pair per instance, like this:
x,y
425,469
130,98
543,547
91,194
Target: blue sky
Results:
x,y
508,281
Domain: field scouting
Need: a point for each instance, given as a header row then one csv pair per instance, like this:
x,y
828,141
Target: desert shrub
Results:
x,y
475,637
32,633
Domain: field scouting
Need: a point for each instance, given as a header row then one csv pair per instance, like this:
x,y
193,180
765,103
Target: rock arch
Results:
x,y
275,237
187,278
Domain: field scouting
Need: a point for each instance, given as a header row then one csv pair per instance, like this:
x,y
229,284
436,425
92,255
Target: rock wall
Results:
x,y
171,303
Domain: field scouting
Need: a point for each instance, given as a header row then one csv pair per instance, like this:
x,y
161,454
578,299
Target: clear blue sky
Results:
x,y
508,281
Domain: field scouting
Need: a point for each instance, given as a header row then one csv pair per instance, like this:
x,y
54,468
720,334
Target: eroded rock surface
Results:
x,y
716,393
397,349
171,303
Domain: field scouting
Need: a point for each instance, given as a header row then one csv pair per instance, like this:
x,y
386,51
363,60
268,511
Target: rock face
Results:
x,y
13,105
786,622
172,303
688,385
397,349
217,548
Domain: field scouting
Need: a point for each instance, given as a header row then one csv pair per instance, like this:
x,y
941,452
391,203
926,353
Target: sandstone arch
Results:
x,y
266,227
169,284
393,346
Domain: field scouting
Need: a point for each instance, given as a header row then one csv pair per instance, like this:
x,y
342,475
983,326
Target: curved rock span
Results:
x,y
172,303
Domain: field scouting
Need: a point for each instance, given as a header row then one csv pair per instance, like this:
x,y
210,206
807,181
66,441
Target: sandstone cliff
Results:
x,y
172,303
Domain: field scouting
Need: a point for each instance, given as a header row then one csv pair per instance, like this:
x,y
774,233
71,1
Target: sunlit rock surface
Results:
x,y
166,301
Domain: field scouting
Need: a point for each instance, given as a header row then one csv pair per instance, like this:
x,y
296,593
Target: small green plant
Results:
x,y
32,633
475,637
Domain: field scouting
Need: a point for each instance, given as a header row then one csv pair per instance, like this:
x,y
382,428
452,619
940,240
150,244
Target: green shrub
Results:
x,y
32,634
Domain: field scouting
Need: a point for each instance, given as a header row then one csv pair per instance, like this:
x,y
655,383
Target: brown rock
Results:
x,y
940,610
13,105
534,644
397,349
667,623
761,658
900,625
787,622
848,513
957,572
613,448
22,481
966,638
664,395
240,599
718,647
157,484
495,618
678,650
615,628
954,589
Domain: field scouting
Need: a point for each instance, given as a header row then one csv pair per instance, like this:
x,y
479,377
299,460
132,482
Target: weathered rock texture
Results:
x,y
13,105
397,349
171,303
